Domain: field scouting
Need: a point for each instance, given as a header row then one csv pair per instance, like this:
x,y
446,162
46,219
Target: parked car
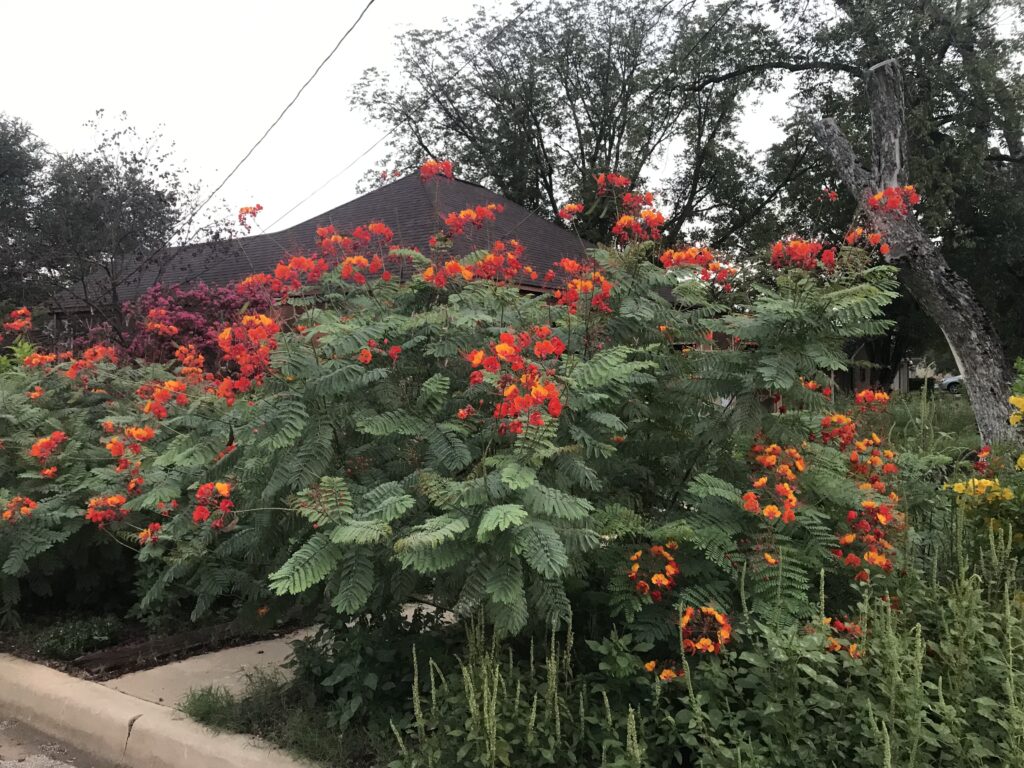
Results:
x,y
953,384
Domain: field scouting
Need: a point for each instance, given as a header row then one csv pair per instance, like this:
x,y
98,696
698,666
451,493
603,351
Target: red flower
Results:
x,y
432,168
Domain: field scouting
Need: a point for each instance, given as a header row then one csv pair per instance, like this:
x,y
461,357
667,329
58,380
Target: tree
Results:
x,y
91,223
21,163
944,295
964,97
536,103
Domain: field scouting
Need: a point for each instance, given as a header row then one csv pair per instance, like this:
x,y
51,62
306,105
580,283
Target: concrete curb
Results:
x,y
120,728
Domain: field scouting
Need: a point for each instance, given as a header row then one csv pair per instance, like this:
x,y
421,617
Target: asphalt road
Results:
x,y
24,747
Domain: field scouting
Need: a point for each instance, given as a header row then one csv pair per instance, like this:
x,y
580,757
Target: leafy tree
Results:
x,y
534,103
575,89
21,164
84,226
964,100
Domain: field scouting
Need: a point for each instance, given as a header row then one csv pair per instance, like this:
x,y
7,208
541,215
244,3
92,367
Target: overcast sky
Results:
x,y
215,74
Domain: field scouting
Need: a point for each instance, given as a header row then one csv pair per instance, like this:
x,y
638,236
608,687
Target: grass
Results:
x,y
928,423
275,711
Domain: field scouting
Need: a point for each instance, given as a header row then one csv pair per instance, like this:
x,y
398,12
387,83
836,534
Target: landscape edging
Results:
x,y
97,720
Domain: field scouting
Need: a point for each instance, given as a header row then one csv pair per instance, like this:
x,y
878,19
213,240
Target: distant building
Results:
x,y
414,209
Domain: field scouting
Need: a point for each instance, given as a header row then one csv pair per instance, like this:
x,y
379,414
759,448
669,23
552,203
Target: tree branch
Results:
x,y
790,66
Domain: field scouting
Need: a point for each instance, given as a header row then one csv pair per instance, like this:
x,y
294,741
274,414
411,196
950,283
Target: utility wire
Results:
x,y
283,111
392,130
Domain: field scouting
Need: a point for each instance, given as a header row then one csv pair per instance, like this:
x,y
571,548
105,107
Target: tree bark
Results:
x,y
944,295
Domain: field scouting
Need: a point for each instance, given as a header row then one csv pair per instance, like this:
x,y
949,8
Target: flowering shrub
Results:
x,y
482,444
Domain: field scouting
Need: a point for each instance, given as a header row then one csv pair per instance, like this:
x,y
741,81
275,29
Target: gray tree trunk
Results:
x,y
944,295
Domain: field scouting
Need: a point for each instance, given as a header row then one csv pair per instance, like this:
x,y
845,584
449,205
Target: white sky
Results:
x,y
215,74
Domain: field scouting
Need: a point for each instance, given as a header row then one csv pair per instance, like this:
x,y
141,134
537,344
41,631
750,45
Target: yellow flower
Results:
x,y
1016,418
1017,401
1020,462
959,488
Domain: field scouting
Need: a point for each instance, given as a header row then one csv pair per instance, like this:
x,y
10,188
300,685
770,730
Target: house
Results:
x,y
413,208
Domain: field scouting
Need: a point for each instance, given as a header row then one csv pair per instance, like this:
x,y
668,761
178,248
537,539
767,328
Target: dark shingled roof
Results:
x,y
414,209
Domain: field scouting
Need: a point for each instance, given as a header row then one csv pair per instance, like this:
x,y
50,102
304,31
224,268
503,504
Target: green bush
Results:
x,y
67,639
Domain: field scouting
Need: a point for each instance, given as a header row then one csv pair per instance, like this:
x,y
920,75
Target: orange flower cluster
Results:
x,y
216,495
708,634
288,276
609,183
331,241
150,534
838,428
247,212
644,226
803,254
433,168
156,322
159,394
366,354
896,200
865,541
35,393
354,269
118,448
17,508
654,571
298,270
106,509
569,211
43,448
638,219
873,239
785,464
843,637
527,391
165,508
814,386
90,357
19,320
871,400
711,269
38,360
583,283
499,265
981,463
248,344
478,216
668,673
192,363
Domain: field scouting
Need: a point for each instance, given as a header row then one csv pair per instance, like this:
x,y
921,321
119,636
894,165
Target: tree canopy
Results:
x,y
535,103
90,222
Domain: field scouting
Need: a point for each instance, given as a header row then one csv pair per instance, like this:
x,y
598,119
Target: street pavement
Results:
x,y
25,747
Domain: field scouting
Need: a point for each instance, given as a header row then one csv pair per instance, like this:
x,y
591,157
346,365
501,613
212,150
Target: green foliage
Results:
x,y
492,711
65,640
271,709
357,484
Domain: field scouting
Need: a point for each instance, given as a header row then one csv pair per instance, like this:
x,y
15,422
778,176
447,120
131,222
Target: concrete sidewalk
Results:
x,y
122,729
227,668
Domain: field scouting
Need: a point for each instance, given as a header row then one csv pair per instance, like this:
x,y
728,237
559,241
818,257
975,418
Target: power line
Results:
x,y
388,133
283,111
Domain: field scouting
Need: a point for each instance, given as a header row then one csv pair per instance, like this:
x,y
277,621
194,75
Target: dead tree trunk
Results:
x,y
944,295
